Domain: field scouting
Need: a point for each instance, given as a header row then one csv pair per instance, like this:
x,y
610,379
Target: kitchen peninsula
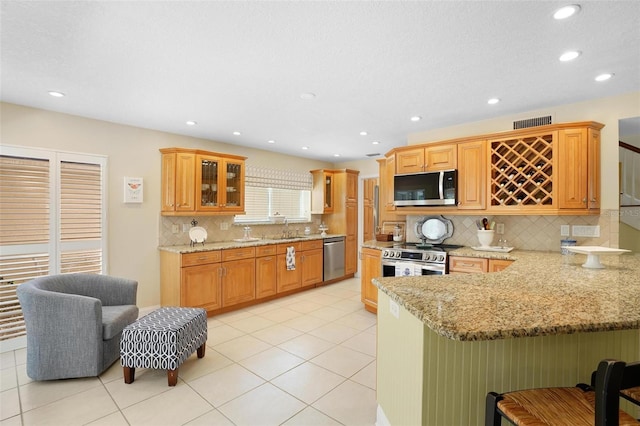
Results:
x,y
445,341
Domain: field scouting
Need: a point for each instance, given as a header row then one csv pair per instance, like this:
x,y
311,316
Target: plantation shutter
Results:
x,y
52,221
24,233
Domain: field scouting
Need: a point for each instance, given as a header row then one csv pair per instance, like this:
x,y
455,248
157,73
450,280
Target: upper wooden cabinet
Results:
x,y
579,168
548,170
322,194
202,182
426,159
472,175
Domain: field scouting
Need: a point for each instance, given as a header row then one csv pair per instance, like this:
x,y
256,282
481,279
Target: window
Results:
x,y
270,192
52,220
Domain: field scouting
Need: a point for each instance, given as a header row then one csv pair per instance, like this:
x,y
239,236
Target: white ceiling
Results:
x,y
242,66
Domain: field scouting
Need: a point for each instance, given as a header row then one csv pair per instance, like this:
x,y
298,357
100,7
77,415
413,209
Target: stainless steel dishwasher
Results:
x,y
333,258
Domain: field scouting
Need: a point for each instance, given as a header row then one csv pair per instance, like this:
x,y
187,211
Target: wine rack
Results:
x,y
522,171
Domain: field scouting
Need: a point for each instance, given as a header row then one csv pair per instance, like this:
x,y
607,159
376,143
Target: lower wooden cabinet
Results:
x,y
201,287
220,279
308,265
371,268
266,271
472,265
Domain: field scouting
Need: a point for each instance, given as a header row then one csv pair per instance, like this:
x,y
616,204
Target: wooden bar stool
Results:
x,y
574,406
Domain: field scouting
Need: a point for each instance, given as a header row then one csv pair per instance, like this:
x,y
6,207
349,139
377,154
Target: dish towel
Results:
x,y
291,258
407,269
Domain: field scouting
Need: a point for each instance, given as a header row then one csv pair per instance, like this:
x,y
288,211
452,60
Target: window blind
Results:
x,y
51,221
274,178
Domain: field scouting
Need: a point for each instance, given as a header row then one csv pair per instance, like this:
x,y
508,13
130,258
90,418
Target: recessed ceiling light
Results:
x,y
305,147
308,96
56,94
567,11
271,141
363,133
375,142
569,56
416,118
604,77
191,123
237,133
336,155
493,101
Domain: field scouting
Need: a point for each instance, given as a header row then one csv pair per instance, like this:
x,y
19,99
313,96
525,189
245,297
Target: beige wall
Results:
x,y
132,228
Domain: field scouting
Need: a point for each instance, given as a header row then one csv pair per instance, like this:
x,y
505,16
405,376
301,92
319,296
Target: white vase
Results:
x,y
485,237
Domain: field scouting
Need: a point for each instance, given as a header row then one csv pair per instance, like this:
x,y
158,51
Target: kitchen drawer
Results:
x,y
200,258
238,253
312,245
468,264
282,247
269,250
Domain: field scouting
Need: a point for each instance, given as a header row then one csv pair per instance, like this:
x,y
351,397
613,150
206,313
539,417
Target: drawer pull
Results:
x,y
467,264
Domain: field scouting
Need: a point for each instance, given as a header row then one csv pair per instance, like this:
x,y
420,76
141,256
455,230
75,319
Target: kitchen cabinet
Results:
x,y
579,168
221,182
178,181
497,265
554,170
387,172
545,170
201,182
474,265
191,279
426,159
308,269
371,268
238,271
368,209
266,271
472,175
460,264
322,193
344,218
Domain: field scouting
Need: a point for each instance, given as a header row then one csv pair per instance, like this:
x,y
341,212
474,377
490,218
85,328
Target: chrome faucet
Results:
x,y
285,230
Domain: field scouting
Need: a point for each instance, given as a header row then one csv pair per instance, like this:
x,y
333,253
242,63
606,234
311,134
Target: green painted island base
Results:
x,y
426,379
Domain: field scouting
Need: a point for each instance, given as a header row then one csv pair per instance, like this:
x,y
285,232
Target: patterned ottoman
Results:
x,y
163,339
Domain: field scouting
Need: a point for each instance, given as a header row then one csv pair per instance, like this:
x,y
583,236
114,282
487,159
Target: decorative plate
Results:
x,y
433,229
198,234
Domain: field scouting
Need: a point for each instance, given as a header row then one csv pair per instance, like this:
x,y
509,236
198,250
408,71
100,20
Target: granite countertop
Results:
x,y
239,244
541,293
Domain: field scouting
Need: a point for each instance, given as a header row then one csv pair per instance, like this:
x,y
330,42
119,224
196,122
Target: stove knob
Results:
x,y
440,258
426,257
398,254
385,253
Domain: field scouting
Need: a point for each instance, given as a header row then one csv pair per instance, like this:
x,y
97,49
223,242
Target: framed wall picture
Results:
x,y
133,190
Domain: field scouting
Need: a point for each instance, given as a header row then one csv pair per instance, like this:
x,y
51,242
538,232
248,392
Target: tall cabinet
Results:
x,y
342,215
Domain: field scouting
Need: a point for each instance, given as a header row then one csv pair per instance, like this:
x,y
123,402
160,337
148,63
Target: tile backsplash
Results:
x,y
215,232
530,232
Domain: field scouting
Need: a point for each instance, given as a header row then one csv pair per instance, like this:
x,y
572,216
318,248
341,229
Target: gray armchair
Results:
x,y
74,323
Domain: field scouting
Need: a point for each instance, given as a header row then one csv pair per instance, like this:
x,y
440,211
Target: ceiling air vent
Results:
x,y
532,122
373,155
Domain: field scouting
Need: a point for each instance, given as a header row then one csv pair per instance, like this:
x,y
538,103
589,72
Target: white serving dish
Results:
x,y
593,254
494,248
198,234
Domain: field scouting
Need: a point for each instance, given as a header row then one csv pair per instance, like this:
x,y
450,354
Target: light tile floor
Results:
x,y
307,359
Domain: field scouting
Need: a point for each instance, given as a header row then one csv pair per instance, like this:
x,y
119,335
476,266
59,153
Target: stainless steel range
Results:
x,y
426,258
415,259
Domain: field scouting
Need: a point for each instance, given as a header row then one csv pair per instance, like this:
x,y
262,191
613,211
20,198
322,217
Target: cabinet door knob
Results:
x,y
584,200
593,200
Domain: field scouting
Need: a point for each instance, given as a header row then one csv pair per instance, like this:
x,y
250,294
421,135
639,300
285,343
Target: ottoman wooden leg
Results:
x,y
172,376
129,374
201,350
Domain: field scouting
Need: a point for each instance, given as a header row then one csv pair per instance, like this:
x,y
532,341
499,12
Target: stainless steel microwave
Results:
x,y
425,189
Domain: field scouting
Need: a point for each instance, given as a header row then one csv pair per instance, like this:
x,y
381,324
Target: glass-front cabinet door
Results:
x,y
219,183
208,183
234,184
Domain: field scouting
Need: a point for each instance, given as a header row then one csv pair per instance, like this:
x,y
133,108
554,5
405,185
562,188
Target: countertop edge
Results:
x,y
222,245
